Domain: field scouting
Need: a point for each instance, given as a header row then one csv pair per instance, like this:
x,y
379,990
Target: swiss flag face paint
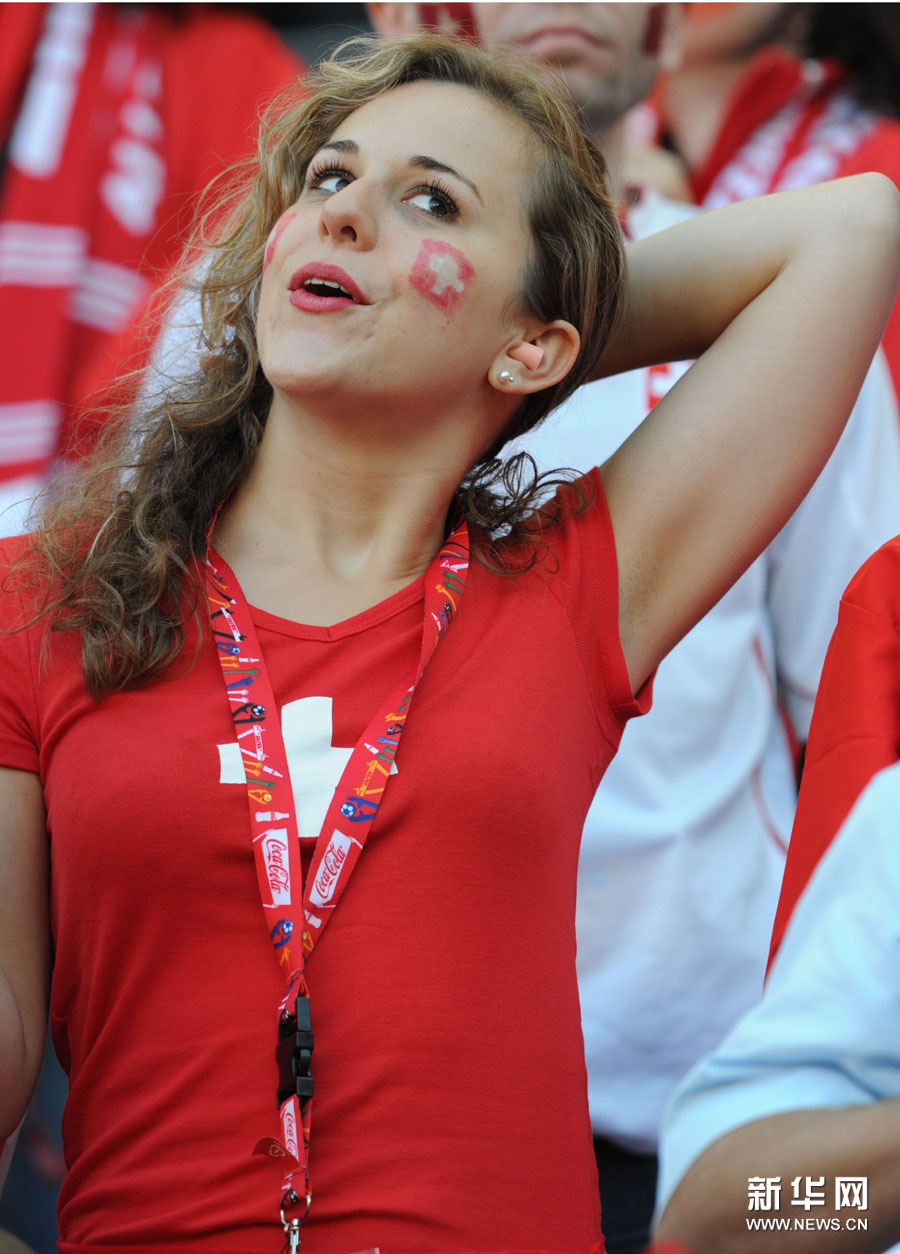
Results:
x,y
442,274
275,236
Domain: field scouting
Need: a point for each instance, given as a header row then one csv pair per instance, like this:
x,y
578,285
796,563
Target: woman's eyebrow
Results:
x,y
431,163
423,162
340,145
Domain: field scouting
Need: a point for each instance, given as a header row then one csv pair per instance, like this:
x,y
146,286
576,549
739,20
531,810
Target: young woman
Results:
x,y
268,622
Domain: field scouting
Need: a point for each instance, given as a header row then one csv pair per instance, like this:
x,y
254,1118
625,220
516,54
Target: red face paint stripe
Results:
x,y
277,230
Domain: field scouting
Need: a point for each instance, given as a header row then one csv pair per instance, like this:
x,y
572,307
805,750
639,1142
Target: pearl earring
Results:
x,y
506,376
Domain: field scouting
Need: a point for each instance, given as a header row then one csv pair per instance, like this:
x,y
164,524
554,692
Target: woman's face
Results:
x,y
395,274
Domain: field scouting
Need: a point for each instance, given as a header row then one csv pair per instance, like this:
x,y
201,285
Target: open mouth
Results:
x,y
326,288
320,285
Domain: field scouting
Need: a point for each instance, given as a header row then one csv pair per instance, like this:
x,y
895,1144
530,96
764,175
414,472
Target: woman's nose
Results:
x,y
349,217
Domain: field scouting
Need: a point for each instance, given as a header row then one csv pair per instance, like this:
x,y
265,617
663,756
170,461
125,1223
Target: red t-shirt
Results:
x,y
450,1110
855,729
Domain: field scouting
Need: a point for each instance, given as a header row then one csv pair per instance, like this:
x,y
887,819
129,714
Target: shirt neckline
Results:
x,y
395,604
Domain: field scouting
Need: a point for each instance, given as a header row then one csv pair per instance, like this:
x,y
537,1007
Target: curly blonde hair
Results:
x,y
123,551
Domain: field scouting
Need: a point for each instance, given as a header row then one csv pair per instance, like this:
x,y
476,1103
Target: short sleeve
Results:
x,y
586,584
855,728
19,735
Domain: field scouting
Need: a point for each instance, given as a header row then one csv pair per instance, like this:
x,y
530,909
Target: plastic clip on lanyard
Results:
x,y
291,913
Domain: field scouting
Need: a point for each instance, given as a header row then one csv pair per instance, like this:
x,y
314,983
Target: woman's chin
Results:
x,y
298,380
318,391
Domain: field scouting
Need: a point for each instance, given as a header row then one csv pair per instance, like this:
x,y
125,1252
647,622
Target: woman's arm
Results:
x,y
783,301
24,941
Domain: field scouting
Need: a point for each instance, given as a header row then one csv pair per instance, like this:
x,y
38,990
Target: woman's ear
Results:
x,y
534,362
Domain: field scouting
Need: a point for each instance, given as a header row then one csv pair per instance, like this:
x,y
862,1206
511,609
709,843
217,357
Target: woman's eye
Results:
x,y
434,202
330,180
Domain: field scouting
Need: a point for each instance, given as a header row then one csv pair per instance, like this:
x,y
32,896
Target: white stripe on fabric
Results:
x,y
35,255
40,235
37,143
133,189
118,282
28,430
141,120
107,295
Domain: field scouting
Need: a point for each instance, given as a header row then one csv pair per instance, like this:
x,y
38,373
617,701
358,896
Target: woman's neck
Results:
x,y
325,526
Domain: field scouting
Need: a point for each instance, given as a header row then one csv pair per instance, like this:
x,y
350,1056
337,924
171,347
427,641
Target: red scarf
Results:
x,y
786,124
113,117
68,255
770,80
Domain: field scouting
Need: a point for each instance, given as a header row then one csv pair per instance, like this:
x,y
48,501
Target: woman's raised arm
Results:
x,y
783,301
24,941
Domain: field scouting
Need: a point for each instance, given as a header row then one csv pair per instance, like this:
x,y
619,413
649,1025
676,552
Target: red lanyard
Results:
x,y
295,914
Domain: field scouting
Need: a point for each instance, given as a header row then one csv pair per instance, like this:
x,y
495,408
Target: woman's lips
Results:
x,y
324,297
300,298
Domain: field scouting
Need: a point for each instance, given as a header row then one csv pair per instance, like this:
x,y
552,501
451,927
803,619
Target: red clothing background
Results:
x,y
165,98
855,728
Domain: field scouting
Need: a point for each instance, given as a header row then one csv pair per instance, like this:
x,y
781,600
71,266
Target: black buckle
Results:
x,y
293,1054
